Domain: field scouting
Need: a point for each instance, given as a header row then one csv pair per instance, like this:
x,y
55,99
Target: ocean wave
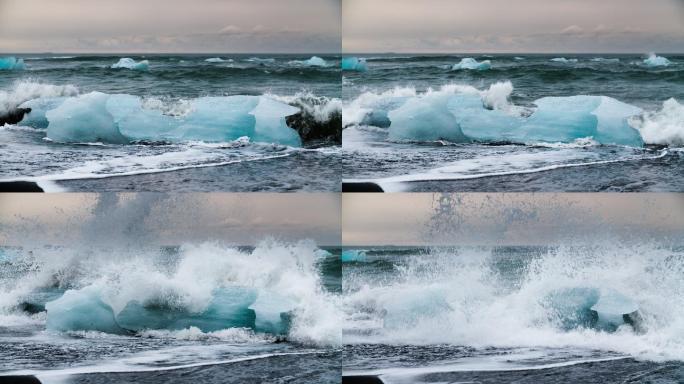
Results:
x,y
22,91
208,292
664,127
463,114
549,299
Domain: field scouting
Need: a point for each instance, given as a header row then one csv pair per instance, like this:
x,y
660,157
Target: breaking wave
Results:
x,y
201,291
557,297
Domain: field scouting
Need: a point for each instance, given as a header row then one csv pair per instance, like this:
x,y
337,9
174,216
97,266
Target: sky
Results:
x,y
136,26
510,218
529,26
156,218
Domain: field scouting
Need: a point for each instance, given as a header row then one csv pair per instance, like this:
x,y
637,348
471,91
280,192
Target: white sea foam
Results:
x,y
120,276
463,297
25,90
664,127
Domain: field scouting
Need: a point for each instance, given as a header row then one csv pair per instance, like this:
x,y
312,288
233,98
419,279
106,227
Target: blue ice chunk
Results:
x,y
654,60
470,63
563,60
270,125
481,124
81,310
611,309
315,61
129,63
407,308
122,118
218,119
39,107
565,119
217,60
353,255
425,118
273,312
11,63
83,119
137,123
228,309
354,64
613,126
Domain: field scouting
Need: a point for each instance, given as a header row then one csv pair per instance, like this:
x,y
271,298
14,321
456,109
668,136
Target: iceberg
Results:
x,y
39,107
217,60
563,60
599,309
83,119
654,60
564,119
483,124
228,309
426,118
11,63
81,310
470,63
614,309
120,119
604,60
129,63
487,116
272,313
260,60
353,255
315,61
270,125
354,64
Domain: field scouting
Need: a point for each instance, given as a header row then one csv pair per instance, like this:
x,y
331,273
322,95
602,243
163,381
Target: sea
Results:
x,y
523,314
204,312
515,122
161,122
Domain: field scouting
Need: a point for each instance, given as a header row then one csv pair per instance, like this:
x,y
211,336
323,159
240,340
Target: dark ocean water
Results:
x,y
172,88
431,154
512,314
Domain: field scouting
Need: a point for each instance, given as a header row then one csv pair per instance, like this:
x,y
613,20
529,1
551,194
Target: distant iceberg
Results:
x,y
129,63
11,63
654,60
314,61
260,60
563,60
470,63
354,64
604,60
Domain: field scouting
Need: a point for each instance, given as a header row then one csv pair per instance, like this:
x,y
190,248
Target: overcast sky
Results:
x,y
513,26
510,219
155,218
170,26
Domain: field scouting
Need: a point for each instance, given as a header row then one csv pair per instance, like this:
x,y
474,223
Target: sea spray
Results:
x,y
181,284
499,297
